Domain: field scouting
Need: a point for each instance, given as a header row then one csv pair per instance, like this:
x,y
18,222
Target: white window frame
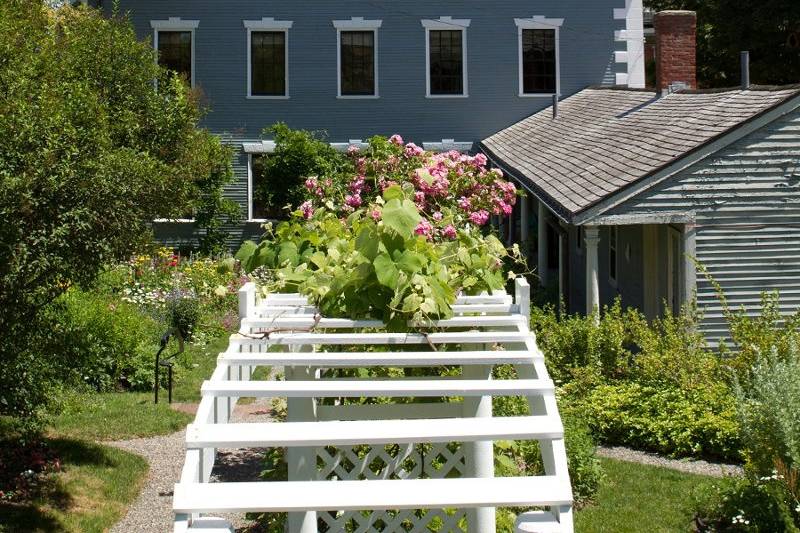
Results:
x,y
262,148
539,23
613,243
356,24
267,24
175,24
446,24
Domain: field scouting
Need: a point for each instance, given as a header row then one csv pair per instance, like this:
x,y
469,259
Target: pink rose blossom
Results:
x,y
353,200
376,215
396,139
353,149
308,209
480,160
464,203
479,218
438,216
450,232
425,229
412,150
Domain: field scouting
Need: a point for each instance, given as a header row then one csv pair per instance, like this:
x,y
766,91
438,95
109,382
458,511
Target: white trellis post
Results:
x,y
302,461
479,456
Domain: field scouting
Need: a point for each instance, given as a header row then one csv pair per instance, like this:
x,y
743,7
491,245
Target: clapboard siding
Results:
x,y
746,203
586,51
185,235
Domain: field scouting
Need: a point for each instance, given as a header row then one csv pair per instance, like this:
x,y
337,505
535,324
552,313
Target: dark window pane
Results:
x,y
538,61
175,52
358,63
268,63
259,192
447,62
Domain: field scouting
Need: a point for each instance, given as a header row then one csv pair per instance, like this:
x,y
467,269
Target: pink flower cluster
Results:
x,y
450,189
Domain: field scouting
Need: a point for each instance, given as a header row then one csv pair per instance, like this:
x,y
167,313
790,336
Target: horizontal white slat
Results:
x,y
369,359
295,299
307,321
294,496
278,308
277,434
301,339
350,388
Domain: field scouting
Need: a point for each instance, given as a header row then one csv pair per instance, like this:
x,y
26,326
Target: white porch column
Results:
x,y
592,239
689,257
542,243
523,225
562,266
479,456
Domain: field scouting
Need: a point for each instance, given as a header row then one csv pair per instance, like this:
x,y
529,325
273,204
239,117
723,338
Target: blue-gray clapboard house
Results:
x,y
635,188
440,73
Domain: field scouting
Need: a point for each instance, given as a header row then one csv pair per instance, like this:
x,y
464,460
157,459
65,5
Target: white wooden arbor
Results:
x,y
389,467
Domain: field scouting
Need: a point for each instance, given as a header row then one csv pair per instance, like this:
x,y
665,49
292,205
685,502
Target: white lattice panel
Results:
x,y
408,461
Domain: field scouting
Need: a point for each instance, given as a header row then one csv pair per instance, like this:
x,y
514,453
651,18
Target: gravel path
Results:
x,y
689,466
152,511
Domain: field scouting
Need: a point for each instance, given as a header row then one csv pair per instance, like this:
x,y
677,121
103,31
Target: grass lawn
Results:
x,y
117,416
90,494
635,498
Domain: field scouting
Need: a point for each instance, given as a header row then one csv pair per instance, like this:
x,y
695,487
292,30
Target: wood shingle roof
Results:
x,y
606,139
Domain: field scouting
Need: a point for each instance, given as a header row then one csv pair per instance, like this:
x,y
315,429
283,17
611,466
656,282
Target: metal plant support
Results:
x,y
168,361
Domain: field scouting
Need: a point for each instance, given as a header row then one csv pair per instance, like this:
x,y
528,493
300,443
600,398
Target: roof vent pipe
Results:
x,y
745,71
555,106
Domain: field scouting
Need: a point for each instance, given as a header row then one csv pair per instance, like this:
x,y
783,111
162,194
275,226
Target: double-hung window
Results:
x,y
357,49
446,57
267,58
539,69
173,40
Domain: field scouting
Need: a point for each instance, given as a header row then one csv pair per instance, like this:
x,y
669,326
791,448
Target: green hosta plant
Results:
x,y
375,264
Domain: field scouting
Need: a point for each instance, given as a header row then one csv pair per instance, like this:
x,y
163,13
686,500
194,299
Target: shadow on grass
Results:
x,y
49,496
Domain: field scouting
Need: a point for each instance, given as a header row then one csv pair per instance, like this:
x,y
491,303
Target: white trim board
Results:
x,y
446,24
267,24
539,22
361,25
633,36
175,24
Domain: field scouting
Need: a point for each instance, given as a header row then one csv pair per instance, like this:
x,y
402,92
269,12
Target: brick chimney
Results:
x,y
676,50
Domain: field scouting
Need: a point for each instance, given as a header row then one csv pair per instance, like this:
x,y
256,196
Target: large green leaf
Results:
x,y
411,261
367,243
386,271
401,217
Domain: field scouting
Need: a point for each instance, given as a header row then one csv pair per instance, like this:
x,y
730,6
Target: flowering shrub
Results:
x,y
449,189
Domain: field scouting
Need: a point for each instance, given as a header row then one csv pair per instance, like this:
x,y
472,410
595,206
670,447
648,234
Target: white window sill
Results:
x,y
357,97
537,95
257,220
174,221
266,97
439,96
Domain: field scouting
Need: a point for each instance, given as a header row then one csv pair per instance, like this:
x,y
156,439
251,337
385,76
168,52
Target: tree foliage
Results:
x,y
96,141
768,29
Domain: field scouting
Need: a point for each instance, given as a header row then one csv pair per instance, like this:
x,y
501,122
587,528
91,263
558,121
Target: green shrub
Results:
x,y
107,344
769,410
666,420
574,343
298,155
91,152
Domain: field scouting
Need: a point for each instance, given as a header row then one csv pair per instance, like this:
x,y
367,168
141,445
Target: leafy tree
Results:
x,y
769,29
91,151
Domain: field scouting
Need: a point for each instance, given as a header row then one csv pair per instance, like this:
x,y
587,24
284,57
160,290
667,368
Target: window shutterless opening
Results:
x,y
268,63
357,63
173,42
446,57
539,58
